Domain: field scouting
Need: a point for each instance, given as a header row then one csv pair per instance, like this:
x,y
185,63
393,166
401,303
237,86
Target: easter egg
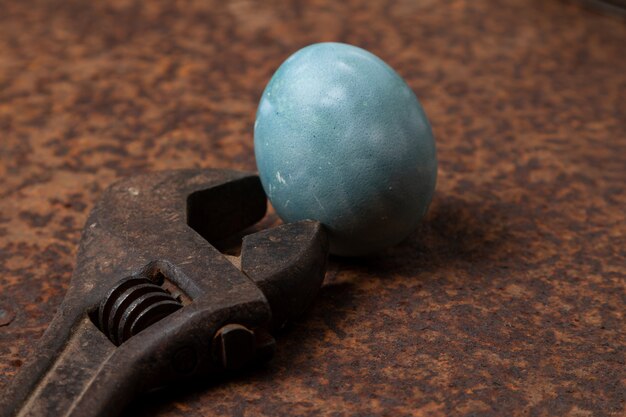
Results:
x,y
340,137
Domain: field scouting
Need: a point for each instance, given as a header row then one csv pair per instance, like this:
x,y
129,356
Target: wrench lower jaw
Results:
x,y
288,264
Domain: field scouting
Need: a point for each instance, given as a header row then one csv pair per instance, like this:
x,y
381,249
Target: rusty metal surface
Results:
x,y
510,298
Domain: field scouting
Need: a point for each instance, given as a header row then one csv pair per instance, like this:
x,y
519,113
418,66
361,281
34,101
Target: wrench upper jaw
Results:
x,y
170,216
288,264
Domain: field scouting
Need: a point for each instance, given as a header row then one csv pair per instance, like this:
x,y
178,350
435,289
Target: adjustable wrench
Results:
x,y
152,301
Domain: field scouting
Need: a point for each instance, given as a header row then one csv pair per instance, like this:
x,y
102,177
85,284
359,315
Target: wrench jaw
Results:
x,y
288,264
151,232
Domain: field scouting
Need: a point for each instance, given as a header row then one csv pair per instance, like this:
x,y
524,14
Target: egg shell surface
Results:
x,y
340,137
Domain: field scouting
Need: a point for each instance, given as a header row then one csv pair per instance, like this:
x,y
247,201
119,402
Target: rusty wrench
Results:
x,y
151,301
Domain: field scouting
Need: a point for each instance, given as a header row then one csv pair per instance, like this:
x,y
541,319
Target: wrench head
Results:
x,y
160,227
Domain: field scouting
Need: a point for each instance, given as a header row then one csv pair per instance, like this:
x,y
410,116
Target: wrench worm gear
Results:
x,y
131,306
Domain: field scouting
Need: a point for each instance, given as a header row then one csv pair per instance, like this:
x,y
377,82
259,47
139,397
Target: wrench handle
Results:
x,y
59,376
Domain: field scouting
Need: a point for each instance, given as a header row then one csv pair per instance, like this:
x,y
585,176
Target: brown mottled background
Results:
x,y
509,300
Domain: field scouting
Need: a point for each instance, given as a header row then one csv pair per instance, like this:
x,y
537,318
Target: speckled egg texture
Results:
x,y
340,137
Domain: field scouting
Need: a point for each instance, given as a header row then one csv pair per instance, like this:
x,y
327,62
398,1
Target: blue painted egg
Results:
x,y
340,137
